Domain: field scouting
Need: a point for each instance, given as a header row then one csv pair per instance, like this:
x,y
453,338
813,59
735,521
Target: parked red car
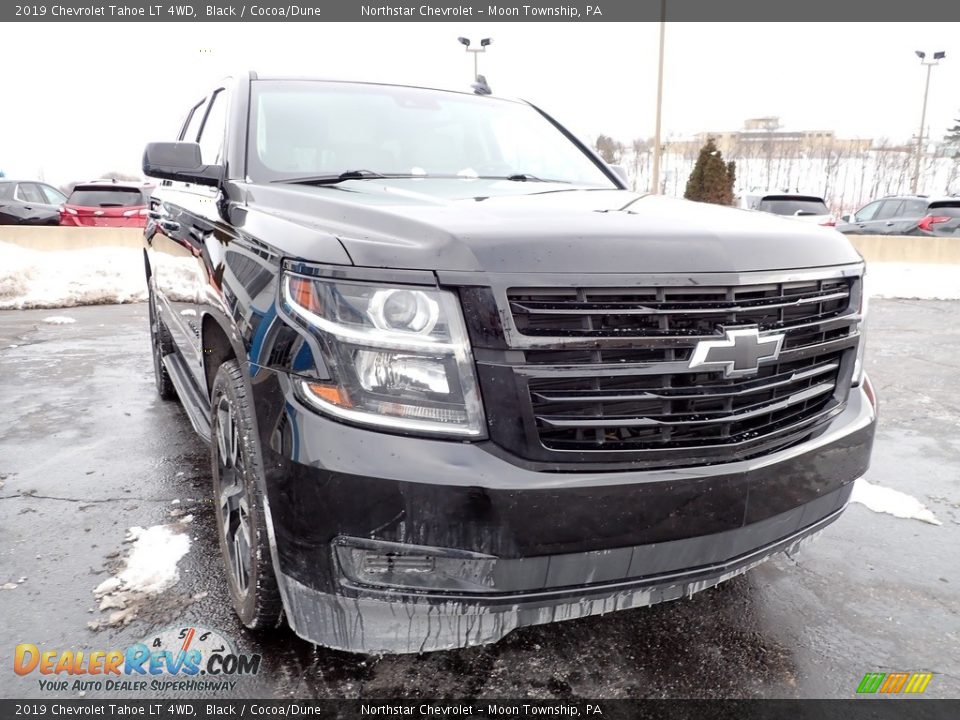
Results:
x,y
107,203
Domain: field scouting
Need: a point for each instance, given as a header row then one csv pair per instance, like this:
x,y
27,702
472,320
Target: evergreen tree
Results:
x,y
711,179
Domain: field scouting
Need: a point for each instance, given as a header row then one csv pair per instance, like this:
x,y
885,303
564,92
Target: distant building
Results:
x,y
764,136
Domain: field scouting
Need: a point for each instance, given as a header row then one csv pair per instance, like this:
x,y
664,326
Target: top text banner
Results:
x,y
854,11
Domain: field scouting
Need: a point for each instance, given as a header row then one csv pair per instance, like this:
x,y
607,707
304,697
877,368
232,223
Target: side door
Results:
x,y
861,219
885,221
35,208
201,221
174,255
54,197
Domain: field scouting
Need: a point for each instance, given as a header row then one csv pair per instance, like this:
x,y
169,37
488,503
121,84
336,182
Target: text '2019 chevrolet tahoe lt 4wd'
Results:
x,y
457,379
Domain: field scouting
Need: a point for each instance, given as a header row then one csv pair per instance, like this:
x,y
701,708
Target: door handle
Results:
x,y
889,223
169,225
154,214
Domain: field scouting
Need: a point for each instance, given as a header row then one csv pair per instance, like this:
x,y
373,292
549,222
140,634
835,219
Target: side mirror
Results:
x,y
845,218
621,172
179,161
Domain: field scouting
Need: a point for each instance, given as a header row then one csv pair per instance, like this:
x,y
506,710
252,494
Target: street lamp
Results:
x,y
937,57
483,48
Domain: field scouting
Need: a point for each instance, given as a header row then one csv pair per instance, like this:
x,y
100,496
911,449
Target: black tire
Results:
x,y
241,525
161,344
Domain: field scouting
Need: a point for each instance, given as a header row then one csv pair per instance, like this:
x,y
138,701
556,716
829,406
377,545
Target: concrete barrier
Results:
x,y
70,238
908,249
874,248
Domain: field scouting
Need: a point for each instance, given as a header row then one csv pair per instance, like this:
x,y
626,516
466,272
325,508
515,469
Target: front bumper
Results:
x,y
566,545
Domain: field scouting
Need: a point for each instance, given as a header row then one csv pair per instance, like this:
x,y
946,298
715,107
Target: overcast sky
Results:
x,y
86,97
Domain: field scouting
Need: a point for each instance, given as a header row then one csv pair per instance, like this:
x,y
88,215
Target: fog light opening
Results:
x,y
380,563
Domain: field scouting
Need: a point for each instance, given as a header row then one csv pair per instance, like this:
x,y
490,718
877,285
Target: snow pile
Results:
x,y
913,280
887,500
65,278
149,569
59,320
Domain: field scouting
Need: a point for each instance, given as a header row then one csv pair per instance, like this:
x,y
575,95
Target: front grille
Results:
x,y
602,374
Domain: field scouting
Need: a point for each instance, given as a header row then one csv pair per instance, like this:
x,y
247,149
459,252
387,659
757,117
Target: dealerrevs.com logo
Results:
x,y
178,658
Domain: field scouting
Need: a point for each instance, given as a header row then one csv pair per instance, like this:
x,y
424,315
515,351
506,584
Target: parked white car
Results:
x,y
808,208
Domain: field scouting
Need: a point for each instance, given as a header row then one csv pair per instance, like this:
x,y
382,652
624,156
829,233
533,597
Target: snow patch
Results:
x,y
152,563
59,320
67,278
149,569
918,281
893,502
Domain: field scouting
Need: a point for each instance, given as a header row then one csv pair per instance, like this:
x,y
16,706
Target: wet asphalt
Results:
x,y
87,450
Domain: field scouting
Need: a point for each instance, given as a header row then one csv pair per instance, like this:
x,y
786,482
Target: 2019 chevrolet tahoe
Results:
x,y
456,378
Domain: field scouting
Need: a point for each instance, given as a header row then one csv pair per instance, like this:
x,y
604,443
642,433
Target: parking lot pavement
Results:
x,y
88,451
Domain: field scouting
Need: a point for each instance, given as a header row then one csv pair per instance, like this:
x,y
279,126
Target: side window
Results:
x,y
29,192
914,208
213,130
6,191
192,129
52,195
889,209
867,212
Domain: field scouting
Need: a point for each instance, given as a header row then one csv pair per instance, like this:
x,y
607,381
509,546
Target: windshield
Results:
x,y
793,206
306,128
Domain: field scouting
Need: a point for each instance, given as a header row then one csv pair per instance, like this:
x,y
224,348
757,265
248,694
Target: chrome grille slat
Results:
x,y
674,313
650,421
594,308
667,394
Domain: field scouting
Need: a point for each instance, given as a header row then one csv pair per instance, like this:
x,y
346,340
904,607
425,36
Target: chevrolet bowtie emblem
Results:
x,y
738,353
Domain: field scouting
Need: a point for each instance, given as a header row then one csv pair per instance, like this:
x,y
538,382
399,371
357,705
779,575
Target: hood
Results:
x,y
503,226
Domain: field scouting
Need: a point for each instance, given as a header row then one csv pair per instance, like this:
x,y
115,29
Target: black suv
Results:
x,y
457,379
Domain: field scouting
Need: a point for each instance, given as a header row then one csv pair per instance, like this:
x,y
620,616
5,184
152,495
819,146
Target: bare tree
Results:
x,y
609,149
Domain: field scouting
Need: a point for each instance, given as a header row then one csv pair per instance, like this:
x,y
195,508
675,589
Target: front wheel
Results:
x,y
241,525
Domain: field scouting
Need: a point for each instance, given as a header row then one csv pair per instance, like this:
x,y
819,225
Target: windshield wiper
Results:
x,y
333,179
522,177
371,175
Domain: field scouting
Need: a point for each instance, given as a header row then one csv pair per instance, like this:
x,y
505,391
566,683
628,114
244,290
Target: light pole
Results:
x,y
476,51
937,57
657,150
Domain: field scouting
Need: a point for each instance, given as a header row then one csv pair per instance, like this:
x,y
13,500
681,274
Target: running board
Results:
x,y
194,403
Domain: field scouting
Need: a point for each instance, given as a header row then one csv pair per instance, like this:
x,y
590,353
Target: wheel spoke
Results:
x,y
237,564
224,422
234,443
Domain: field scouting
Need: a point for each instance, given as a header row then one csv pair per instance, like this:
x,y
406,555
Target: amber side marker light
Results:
x,y
329,393
303,294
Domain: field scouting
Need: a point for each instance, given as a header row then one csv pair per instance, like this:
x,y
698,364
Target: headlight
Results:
x,y
399,357
858,371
